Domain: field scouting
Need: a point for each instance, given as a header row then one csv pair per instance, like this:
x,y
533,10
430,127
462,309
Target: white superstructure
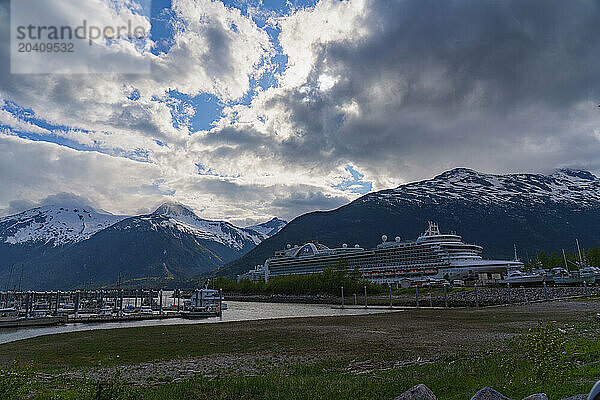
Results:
x,y
432,256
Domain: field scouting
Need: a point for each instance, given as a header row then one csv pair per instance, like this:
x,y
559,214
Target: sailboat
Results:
x,y
562,276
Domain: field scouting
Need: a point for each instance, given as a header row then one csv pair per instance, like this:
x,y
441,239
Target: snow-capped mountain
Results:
x,y
565,186
270,227
534,211
65,246
55,225
184,219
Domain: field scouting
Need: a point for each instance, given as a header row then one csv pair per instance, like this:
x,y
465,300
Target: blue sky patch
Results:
x,y
355,184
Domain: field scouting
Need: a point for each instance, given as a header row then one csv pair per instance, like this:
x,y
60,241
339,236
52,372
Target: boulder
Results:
x,y
418,392
577,397
595,392
487,393
537,396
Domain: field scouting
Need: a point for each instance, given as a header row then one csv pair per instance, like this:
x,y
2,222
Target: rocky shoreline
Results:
x,y
468,297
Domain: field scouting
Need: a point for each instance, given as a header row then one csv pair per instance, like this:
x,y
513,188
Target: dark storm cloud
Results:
x,y
307,201
497,86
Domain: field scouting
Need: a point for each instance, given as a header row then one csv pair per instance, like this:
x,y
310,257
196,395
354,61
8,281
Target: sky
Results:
x,y
263,108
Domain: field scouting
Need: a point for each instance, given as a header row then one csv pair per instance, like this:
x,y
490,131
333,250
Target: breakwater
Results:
x,y
434,297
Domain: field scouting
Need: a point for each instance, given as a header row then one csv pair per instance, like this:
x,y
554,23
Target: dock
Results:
x,y
28,308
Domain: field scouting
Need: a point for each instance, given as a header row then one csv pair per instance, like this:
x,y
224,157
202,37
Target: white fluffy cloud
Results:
x,y
33,170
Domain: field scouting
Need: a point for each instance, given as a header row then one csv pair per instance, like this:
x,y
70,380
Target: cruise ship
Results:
x,y
432,256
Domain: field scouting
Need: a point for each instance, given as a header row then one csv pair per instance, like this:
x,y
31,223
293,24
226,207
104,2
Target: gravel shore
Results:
x,y
469,297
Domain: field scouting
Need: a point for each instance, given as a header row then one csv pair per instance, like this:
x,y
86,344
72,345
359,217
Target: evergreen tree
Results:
x,y
592,255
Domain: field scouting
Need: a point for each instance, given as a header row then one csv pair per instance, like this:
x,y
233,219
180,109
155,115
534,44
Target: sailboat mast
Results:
x,y
579,251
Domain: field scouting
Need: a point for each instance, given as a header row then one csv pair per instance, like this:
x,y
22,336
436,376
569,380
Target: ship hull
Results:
x,y
23,322
528,281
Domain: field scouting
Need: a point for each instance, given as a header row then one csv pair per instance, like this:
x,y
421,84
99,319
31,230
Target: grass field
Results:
x,y
550,347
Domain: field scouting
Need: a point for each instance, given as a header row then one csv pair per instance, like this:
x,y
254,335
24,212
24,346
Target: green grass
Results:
x,y
516,350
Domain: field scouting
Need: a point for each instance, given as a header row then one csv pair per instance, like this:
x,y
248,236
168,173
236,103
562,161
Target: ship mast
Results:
x,y
579,251
565,258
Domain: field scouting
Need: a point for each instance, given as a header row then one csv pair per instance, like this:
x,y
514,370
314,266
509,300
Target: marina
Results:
x,y
237,311
22,309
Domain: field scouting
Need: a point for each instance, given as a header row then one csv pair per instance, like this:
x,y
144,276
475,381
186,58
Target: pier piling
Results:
x,y
342,297
417,295
27,304
57,302
221,304
545,291
445,297
476,297
121,303
366,305
77,296
390,291
160,293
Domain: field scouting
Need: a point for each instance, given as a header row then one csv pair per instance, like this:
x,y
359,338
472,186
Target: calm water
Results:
x,y
237,311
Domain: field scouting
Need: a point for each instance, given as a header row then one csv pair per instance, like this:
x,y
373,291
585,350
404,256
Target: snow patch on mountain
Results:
x,y
185,220
461,184
55,225
270,227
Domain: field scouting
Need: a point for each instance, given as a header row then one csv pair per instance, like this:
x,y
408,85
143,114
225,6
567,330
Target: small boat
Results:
x,y
8,314
561,276
44,321
146,310
585,276
517,277
106,311
204,303
10,318
589,271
